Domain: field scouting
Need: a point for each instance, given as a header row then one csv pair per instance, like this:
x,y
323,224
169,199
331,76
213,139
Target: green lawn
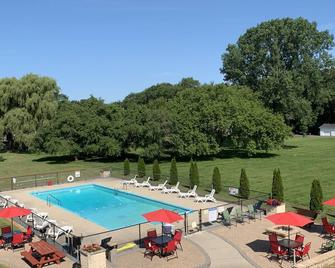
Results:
x,y
302,160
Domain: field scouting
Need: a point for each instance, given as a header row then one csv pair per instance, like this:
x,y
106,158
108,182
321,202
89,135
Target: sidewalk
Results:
x,y
220,252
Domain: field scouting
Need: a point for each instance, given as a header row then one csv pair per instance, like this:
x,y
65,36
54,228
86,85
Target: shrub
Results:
x,y
316,195
277,186
140,167
126,167
173,172
216,180
156,171
244,185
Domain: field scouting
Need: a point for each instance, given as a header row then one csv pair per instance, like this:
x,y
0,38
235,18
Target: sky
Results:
x,y
111,48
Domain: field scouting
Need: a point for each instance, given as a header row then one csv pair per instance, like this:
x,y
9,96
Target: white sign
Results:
x,y
14,180
77,174
233,191
212,214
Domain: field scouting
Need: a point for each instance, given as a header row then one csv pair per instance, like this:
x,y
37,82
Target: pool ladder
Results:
x,y
59,203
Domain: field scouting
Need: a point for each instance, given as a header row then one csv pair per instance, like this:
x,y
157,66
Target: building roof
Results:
x,y
327,126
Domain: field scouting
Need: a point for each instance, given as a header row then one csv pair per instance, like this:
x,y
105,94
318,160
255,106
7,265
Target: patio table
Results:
x,y
161,241
291,245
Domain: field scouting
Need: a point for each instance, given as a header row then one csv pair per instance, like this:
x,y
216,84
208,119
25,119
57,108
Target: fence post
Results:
x,y
57,180
11,183
241,203
200,220
139,234
185,223
35,181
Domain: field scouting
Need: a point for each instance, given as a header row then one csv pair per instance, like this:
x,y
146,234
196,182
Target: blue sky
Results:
x,y
111,48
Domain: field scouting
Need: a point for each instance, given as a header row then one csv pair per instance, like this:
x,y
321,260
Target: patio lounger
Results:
x,y
189,193
56,231
173,189
143,184
30,216
207,197
131,181
226,219
158,187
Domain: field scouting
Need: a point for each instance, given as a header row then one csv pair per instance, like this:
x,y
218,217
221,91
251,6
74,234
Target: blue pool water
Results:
x,y
107,207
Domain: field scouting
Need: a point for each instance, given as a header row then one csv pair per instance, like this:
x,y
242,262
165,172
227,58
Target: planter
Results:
x,y
96,259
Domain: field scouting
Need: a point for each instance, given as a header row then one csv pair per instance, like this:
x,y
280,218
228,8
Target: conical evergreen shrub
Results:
x,y
173,172
277,186
316,196
156,171
140,167
126,167
216,180
244,185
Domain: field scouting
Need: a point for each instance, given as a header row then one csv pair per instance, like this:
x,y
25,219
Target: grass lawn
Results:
x,y
302,160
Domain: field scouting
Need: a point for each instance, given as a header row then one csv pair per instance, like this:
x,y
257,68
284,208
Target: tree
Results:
x,y
283,60
316,196
277,186
126,167
140,167
156,172
216,181
196,180
173,172
244,185
27,104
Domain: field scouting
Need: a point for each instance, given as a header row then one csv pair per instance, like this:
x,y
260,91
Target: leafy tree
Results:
x,y
156,172
26,105
244,185
316,196
173,172
140,167
126,167
216,181
283,60
277,186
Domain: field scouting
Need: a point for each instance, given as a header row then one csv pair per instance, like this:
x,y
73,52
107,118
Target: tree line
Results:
x,y
279,77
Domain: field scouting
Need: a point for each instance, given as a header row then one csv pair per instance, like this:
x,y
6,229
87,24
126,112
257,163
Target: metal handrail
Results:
x,y
59,203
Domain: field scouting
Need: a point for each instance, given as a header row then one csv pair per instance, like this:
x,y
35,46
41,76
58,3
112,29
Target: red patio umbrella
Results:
x,y
289,218
330,202
162,215
13,212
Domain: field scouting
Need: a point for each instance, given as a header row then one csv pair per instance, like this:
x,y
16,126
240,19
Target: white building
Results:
x,y
327,130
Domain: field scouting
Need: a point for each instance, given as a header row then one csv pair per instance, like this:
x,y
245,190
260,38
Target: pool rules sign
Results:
x,y
77,174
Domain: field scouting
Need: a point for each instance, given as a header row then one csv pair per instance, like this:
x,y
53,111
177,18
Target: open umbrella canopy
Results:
x,y
13,212
330,202
162,215
289,218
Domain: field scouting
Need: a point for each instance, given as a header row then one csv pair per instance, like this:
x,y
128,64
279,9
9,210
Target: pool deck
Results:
x,y
85,227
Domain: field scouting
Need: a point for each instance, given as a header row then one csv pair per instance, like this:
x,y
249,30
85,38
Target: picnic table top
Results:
x,y
43,248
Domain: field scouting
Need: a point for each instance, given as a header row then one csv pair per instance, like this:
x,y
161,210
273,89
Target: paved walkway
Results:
x,y
220,252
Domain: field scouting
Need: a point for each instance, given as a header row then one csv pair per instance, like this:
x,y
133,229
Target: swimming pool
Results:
x,y
110,208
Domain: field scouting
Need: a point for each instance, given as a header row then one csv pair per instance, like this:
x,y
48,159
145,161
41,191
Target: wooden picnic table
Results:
x,y
42,253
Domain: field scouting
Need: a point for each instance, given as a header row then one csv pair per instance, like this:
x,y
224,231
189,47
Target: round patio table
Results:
x,y
289,244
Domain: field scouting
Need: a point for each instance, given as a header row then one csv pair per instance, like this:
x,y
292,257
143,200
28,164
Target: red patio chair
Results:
x,y
277,250
18,240
152,233
2,243
299,238
6,230
177,237
304,251
150,249
328,229
170,250
28,235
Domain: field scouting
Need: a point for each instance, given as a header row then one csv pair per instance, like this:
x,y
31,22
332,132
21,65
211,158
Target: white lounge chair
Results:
x,y
41,225
131,181
56,231
158,187
189,193
207,197
173,189
36,215
143,184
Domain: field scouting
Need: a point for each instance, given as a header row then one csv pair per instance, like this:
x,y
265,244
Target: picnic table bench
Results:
x,y
307,213
42,253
